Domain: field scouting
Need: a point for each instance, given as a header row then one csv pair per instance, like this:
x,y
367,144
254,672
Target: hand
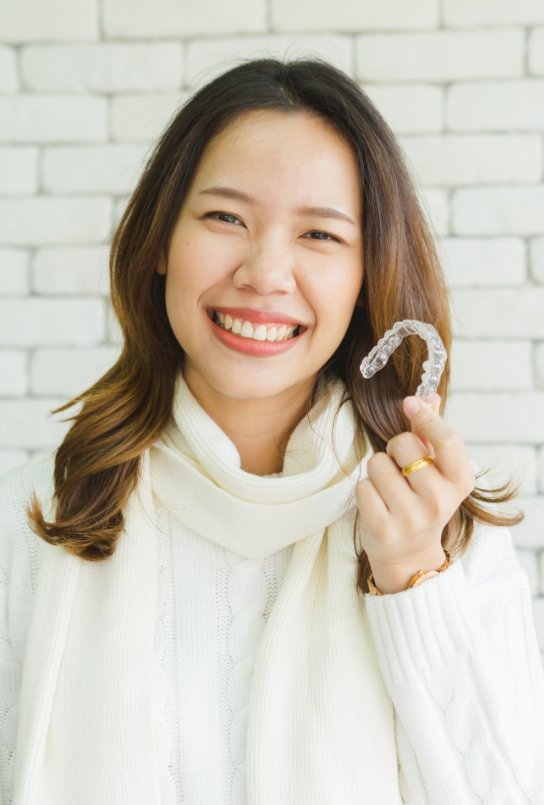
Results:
x,y
402,518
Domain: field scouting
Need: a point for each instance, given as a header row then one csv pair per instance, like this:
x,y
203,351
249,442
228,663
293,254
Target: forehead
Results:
x,y
276,147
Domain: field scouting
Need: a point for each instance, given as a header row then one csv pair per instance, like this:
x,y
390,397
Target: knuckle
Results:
x,y
402,442
376,461
409,440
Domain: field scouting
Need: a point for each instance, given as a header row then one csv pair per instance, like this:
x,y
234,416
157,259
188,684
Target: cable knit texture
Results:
x,y
226,643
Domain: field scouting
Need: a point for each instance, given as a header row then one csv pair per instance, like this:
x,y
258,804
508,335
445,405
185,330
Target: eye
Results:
x,y
226,217
318,234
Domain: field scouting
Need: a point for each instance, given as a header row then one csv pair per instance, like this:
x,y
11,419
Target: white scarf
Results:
x,y
321,726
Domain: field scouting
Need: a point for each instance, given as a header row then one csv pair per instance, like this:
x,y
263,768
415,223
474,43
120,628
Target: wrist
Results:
x,y
396,577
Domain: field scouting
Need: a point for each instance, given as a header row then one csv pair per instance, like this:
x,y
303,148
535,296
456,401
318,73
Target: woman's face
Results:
x,y
265,262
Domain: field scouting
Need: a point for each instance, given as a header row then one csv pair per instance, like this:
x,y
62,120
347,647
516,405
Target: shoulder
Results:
x,y
16,490
35,473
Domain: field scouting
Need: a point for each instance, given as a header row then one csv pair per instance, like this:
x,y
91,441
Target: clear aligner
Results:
x,y
433,366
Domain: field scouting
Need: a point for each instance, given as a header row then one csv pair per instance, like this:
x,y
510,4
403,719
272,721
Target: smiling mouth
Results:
x,y
255,332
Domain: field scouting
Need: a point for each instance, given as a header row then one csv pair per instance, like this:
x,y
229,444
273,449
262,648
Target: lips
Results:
x,y
255,332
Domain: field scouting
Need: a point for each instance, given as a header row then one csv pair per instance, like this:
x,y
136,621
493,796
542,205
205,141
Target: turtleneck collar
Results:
x,y
196,473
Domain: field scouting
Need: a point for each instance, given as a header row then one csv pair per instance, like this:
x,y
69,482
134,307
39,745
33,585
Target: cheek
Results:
x,y
201,264
333,295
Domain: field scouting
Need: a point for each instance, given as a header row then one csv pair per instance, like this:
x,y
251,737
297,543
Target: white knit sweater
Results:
x,y
479,721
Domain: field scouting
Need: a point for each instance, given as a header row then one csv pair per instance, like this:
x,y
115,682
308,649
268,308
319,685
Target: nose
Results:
x,y
266,269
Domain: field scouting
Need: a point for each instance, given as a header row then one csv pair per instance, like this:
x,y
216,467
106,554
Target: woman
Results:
x,y
221,603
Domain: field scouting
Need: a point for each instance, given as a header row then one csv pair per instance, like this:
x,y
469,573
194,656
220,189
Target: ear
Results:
x,y
161,268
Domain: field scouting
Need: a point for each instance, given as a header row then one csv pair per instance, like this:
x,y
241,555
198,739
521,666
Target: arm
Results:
x,y
20,553
10,681
459,658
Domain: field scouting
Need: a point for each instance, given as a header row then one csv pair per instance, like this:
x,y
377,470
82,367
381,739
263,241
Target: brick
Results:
x,y
481,365
69,371
13,382
439,56
136,118
512,417
103,67
30,21
541,469
492,12
82,271
125,19
499,211
208,58
537,259
93,169
31,322
478,262
409,109
498,313
536,51
29,424
530,532
346,15
539,365
496,106
451,160
8,70
42,119
506,462
529,562
46,220
18,171
9,459
436,206
14,272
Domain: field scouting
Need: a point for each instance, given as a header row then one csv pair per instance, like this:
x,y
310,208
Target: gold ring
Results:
x,y
418,464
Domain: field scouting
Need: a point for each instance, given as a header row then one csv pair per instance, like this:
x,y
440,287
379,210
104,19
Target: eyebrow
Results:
x,y
322,212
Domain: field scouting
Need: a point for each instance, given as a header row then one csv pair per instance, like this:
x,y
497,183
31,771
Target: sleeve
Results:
x,y
19,560
10,681
459,658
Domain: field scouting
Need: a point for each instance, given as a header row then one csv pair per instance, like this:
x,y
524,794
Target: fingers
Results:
x,y
389,483
450,454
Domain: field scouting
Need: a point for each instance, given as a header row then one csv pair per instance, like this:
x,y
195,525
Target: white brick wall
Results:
x,y
474,262
8,71
439,56
52,118
33,20
537,260
496,106
87,87
102,68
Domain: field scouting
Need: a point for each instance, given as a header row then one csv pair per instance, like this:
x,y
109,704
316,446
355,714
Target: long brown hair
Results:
x,y
126,410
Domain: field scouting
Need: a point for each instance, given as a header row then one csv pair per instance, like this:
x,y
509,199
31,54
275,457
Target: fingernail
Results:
x,y
412,405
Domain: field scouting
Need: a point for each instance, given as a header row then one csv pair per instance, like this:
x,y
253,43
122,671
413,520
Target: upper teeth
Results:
x,y
259,332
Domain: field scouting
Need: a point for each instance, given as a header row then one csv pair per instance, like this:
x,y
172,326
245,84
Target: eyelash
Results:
x,y
222,215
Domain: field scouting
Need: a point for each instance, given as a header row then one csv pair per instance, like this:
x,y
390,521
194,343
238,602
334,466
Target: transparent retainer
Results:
x,y
432,367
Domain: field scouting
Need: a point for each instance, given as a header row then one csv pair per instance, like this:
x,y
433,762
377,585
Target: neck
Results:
x,y
258,428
